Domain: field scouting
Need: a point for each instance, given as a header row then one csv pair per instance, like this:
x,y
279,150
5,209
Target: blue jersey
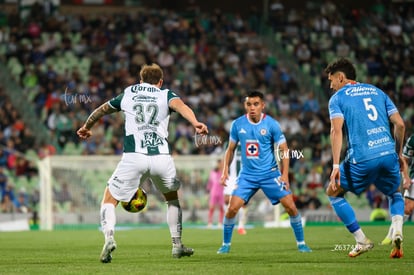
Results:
x,y
257,144
366,111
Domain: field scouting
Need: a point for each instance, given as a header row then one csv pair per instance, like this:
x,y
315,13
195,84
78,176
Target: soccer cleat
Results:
x,y
241,231
361,248
304,248
109,246
386,241
178,252
397,250
224,249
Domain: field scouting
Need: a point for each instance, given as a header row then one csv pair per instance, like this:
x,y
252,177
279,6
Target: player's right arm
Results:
x,y
336,137
85,131
228,158
399,132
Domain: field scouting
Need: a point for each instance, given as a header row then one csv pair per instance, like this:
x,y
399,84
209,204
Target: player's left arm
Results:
x,y
85,131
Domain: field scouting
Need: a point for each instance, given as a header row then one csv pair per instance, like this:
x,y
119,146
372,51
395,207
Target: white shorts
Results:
x,y
135,168
230,186
409,193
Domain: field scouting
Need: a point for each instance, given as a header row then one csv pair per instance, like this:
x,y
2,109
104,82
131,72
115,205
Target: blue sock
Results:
x,y
345,212
396,204
296,223
228,225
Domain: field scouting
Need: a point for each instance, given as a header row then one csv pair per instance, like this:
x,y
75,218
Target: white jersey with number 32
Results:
x,y
146,118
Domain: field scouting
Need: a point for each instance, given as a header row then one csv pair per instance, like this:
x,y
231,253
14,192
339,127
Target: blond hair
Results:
x,y
151,74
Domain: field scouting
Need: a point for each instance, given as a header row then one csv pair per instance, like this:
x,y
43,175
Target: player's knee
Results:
x,y
339,192
291,209
232,211
175,202
330,192
170,196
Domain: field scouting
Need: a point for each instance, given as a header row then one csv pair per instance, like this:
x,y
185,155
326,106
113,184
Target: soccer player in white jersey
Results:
x,y
374,152
230,186
258,134
146,154
408,185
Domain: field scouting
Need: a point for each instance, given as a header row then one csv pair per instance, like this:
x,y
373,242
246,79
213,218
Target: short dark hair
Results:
x,y
342,65
255,93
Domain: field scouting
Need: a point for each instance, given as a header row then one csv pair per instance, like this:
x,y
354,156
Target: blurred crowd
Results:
x,y
67,65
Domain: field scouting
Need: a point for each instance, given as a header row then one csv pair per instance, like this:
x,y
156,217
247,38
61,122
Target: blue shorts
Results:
x,y
383,172
248,185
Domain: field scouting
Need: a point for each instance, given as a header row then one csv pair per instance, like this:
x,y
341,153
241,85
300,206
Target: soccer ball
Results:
x,y
137,202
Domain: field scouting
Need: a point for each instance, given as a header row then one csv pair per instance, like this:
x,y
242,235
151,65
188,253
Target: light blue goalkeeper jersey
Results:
x,y
257,144
366,111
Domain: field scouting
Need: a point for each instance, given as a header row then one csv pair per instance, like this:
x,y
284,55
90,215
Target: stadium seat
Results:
x,y
15,68
58,37
398,81
278,37
314,37
290,48
75,37
306,68
3,49
31,155
71,59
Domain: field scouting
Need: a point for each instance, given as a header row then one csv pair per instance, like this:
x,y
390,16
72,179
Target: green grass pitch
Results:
x,y
148,251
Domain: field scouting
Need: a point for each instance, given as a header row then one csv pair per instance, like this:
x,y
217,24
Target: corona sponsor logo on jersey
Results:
x,y
139,88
